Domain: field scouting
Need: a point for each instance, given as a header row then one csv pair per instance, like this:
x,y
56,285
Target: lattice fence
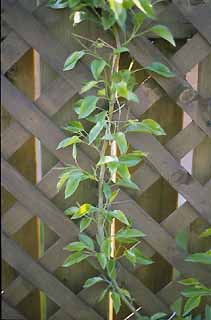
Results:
x,y
25,30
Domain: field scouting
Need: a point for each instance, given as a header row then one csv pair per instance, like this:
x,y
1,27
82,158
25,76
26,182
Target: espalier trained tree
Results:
x,y
114,88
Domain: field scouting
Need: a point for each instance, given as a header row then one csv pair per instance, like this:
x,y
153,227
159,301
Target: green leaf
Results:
x,y
140,258
127,183
120,50
58,4
122,89
121,142
177,307
189,282
132,159
74,258
95,131
62,179
119,12
73,3
87,241
207,312
70,211
191,304
107,190
129,235
106,247
146,126
84,223
68,142
130,256
111,269
195,292
97,67
82,211
160,69
204,257
107,159
159,315
108,20
74,152
132,97
146,7
163,32
92,281
72,185
74,126
101,257
75,246
87,106
113,196
119,215
206,233
116,301
103,294
89,85
138,19
73,59
75,177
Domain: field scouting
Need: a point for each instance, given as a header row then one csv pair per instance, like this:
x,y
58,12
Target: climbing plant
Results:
x,y
112,88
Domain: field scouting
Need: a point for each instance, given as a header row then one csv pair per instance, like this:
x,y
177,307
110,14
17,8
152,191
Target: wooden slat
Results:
x,y
199,15
174,173
35,202
12,49
10,313
28,115
38,37
40,278
177,88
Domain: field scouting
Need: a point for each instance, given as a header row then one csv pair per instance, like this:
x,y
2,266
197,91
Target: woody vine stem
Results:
x,y
112,90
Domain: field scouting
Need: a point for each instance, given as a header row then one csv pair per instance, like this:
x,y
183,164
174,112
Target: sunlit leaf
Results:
x,y
146,7
191,304
75,246
119,215
68,142
74,259
116,301
89,85
121,142
73,59
87,106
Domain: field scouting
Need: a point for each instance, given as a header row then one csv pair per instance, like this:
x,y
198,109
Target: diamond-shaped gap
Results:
x,y
152,275
8,275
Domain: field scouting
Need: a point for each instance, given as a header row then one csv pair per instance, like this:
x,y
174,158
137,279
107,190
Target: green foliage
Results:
x,y
111,89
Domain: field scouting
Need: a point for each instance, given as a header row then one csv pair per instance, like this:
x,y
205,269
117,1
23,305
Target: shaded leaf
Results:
x,y
163,32
146,7
160,69
75,246
89,85
101,257
92,281
95,131
85,222
87,241
204,257
97,67
116,301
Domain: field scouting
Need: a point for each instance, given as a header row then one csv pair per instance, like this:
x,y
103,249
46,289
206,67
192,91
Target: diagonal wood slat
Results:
x,y
34,120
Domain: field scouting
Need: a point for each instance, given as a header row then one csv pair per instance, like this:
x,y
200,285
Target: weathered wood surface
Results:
x,y
38,119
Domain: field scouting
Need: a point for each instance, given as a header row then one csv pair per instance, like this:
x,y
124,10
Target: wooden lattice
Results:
x,y
27,30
